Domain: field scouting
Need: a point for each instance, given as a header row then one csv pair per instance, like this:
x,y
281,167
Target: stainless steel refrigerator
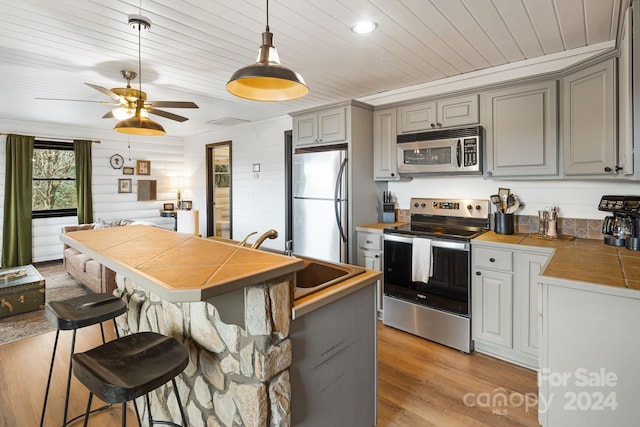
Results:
x,y
320,203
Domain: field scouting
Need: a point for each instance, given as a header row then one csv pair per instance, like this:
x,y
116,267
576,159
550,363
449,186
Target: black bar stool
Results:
x,y
129,367
73,314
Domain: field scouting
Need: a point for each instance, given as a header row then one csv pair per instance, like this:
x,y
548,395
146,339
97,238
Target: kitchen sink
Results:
x,y
317,275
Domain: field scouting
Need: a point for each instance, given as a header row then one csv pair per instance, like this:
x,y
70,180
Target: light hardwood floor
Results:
x,y
420,383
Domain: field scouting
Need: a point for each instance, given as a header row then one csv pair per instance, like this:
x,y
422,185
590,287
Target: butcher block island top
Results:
x,y
179,267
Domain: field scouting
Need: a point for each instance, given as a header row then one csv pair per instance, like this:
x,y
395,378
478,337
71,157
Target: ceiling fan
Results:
x,y
126,98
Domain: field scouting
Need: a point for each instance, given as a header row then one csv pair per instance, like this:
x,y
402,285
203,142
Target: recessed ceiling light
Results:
x,y
364,27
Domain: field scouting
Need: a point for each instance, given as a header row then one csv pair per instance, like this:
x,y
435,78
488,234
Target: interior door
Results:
x,y
219,163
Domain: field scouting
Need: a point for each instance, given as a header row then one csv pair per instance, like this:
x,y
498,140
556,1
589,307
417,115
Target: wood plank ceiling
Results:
x,y
50,48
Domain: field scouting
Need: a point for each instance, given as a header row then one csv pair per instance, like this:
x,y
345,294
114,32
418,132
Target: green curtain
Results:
x,y
16,224
82,151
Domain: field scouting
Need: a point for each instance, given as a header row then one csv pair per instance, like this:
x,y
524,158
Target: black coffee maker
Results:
x,y
622,228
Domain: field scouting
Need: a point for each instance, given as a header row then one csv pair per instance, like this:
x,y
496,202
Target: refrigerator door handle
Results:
x,y
337,197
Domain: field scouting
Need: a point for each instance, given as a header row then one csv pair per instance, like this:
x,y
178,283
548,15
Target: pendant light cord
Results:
x,y
267,15
139,59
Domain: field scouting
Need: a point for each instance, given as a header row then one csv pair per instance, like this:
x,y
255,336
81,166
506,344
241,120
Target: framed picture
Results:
x,y
124,185
143,167
127,170
168,207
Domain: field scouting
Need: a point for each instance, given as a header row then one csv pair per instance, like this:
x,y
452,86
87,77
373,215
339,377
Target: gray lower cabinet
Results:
x,y
334,366
588,126
370,253
385,154
521,130
504,320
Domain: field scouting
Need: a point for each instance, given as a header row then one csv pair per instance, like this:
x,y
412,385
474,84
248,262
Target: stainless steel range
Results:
x,y
427,282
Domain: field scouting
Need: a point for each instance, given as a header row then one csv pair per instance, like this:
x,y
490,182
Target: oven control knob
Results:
x,y
470,207
423,205
478,207
416,205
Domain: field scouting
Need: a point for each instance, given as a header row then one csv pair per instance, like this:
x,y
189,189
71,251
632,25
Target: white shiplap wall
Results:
x,y
258,204
165,154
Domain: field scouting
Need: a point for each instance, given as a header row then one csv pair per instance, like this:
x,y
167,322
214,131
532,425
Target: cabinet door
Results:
x,y
526,302
521,129
625,98
415,117
305,129
492,299
385,152
459,111
332,125
588,130
373,261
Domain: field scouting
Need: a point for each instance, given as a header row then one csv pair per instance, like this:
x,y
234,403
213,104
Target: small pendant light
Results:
x,y
267,80
140,123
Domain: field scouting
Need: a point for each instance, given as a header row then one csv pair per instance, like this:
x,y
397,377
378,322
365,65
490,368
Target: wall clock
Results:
x,y
116,161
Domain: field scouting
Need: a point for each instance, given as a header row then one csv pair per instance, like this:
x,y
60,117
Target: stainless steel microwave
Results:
x,y
446,151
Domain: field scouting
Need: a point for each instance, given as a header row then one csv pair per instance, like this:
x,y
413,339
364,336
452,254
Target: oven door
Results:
x,y
448,288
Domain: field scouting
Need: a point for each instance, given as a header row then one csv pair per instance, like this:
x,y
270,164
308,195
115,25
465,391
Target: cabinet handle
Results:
x,y
439,125
377,256
433,125
492,260
607,169
368,241
489,173
478,273
393,174
619,168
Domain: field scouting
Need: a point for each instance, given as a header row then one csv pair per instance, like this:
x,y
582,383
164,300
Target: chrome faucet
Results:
x,y
287,248
269,234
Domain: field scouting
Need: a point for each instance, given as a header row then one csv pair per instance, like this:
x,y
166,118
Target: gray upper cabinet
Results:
x,y
384,145
447,112
521,130
588,127
322,127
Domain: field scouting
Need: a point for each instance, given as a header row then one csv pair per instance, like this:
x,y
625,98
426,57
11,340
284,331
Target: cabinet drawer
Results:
x,y
495,259
370,241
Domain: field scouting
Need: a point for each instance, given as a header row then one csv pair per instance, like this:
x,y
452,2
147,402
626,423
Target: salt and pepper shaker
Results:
x,y
552,229
548,222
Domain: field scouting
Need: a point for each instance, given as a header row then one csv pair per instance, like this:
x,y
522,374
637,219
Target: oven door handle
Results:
x,y
435,243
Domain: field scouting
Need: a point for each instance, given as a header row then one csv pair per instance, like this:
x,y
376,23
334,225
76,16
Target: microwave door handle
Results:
x,y
459,152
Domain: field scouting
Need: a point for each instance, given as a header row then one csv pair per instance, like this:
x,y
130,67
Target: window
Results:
x,y
54,180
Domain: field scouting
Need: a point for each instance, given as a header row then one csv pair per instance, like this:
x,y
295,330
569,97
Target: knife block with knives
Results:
x,y
388,208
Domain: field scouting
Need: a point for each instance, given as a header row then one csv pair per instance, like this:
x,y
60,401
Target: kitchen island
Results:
x,y
231,306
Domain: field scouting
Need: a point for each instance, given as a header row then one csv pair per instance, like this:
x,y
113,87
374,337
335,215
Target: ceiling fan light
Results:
x,y
122,113
138,125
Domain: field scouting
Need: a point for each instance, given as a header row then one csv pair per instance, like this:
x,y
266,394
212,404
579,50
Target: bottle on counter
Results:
x,y
552,222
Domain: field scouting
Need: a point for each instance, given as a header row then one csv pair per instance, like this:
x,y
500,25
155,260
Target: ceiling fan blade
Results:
x,y
110,94
78,100
109,115
171,104
167,115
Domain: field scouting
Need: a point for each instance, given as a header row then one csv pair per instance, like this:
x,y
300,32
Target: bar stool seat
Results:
x,y
73,314
129,367
85,310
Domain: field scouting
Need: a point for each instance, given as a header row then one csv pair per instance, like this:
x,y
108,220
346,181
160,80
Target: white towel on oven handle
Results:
x,y
421,260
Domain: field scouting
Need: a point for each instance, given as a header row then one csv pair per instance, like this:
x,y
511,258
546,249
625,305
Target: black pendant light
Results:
x,y
267,80
140,123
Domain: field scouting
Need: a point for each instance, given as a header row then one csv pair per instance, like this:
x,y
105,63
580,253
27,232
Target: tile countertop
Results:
x,y
581,261
179,267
